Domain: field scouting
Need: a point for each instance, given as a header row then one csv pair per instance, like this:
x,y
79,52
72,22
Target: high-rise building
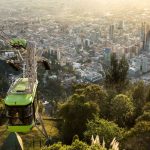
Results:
x,y
55,53
147,46
121,25
107,55
143,34
111,32
87,43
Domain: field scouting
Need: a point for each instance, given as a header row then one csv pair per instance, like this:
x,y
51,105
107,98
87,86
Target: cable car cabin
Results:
x,y
20,106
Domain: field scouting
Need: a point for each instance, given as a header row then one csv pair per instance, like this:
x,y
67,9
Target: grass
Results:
x,y
31,140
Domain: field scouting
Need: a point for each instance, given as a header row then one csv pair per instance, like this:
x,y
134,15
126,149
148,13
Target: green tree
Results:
x,y
103,128
76,112
111,94
2,115
95,93
96,147
139,96
138,137
146,113
116,75
52,89
79,88
76,145
3,84
18,43
148,94
123,68
57,146
122,109
146,107
99,95
79,145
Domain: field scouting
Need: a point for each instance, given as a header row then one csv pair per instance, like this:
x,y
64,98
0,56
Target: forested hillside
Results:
x,y
115,108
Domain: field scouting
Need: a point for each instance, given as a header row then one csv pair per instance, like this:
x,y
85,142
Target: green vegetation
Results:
x,y
116,108
106,129
2,115
3,84
139,96
122,109
123,121
18,43
116,75
1,104
76,145
140,133
76,111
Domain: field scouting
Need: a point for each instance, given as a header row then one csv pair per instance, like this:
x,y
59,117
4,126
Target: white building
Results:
x,y
140,63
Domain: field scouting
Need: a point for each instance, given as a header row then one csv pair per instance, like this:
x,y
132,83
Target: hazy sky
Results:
x,y
85,2
58,6
78,3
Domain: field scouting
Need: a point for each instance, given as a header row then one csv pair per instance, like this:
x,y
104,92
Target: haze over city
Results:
x,y
59,6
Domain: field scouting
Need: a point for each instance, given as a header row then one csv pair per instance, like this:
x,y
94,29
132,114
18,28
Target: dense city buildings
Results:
x,y
84,41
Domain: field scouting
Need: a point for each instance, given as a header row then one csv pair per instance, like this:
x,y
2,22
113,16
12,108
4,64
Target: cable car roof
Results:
x,y
18,100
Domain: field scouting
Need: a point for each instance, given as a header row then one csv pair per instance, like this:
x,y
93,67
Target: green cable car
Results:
x,y
21,102
20,106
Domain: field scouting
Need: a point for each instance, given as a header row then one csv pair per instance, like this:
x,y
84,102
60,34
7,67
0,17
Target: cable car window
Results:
x,y
20,115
